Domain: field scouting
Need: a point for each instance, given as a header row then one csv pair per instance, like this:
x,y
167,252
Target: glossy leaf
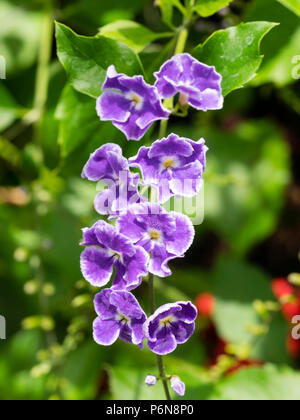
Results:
x,y
86,59
207,8
235,52
281,49
131,33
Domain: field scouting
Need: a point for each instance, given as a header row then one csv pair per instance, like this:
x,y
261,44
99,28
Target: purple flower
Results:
x,y
198,84
171,324
106,249
150,380
163,235
107,164
119,316
130,103
177,385
173,165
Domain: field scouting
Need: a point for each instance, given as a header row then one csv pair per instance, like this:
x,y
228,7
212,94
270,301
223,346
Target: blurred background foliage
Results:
x,y
242,347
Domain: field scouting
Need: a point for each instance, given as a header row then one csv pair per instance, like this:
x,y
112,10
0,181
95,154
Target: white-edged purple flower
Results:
x,y
130,103
107,164
107,249
163,235
199,85
150,380
119,316
177,385
171,324
173,165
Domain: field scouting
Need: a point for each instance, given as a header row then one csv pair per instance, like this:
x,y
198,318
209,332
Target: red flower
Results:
x,y
205,303
282,288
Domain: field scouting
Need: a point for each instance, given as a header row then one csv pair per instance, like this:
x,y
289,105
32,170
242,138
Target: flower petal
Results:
x,y
99,164
163,346
103,306
105,332
130,273
159,261
188,312
187,181
148,167
96,266
113,106
182,331
182,238
173,145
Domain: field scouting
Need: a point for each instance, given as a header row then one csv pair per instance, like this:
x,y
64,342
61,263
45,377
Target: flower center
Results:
x,y
170,162
137,100
117,255
183,99
154,235
166,321
122,319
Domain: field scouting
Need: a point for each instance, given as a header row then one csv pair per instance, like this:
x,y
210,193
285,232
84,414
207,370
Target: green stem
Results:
x,y
160,364
169,103
42,77
182,38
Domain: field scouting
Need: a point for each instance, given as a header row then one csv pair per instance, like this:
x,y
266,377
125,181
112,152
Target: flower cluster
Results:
x,y
141,237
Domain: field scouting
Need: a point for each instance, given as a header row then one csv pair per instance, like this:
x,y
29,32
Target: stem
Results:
x,y
160,364
169,103
182,38
36,116
42,78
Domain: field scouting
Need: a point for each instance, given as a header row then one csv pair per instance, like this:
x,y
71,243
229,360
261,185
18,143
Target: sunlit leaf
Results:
x,y
281,49
207,8
235,52
86,59
131,33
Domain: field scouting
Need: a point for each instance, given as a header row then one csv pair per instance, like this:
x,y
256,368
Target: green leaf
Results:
x,y
78,119
268,383
293,5
80,373
8,108
207,8
166,8
237,286
19,36
235,52
282,48
131,33
86,59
